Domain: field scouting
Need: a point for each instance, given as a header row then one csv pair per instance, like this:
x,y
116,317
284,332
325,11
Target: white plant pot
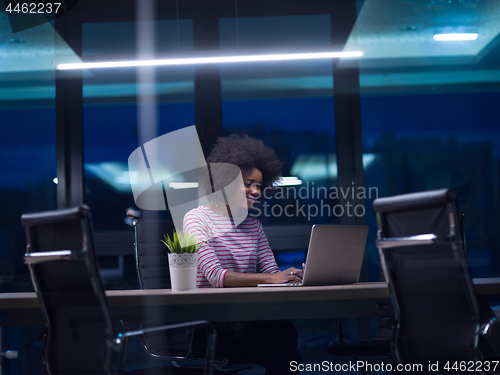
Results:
x,y
183,268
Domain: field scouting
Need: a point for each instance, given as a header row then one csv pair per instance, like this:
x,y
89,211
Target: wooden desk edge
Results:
x,y
375,290
137,297
249,295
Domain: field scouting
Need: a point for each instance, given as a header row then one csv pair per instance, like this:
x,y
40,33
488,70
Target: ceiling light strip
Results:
x,y
211,60
455,37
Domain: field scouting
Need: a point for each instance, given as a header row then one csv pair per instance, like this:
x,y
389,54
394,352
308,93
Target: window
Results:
x,y
111,102
289,105
429,114
28,142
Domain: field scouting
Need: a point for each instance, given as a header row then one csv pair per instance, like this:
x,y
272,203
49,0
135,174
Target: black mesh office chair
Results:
x,y
81,337
151,258
422,253
152,268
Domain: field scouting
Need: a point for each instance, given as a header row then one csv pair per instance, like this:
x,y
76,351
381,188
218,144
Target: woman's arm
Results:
x,y
267,264
232,278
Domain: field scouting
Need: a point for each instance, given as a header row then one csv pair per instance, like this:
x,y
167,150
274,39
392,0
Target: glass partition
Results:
x,y
289,105
28,169
429,81
28,142
429,110
111,101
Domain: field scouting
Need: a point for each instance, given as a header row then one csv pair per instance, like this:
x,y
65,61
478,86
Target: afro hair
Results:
x,y
248,153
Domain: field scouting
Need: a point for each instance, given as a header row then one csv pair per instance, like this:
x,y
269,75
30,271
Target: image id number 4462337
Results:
x,y
32,8
471,366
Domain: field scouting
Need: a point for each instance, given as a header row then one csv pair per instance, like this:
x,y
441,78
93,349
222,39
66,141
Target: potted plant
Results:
x,y
182,260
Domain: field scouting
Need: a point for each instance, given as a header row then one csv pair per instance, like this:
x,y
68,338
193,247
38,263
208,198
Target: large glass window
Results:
x,y
113,127
111,98
28,142
429,112
289,105
450,140
28,168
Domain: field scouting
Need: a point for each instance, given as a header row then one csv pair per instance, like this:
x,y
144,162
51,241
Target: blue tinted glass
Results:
x,y
429,81
28,141
111,111
289,105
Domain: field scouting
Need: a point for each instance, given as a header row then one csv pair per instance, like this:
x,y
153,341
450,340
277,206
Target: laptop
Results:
x,y
334,257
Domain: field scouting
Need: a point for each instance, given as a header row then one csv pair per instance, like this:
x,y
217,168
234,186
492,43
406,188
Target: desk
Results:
x,y
355,300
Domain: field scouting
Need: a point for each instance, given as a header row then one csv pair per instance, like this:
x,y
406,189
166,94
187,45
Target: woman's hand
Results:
x,y
292,275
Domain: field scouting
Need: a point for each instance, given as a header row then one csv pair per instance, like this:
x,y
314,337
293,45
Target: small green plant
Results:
x,y
180,243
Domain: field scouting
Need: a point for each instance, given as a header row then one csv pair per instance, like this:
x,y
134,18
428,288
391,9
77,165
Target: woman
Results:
x,y
233,248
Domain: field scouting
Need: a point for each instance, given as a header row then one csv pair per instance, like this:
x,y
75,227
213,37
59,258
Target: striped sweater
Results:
x,y
225,248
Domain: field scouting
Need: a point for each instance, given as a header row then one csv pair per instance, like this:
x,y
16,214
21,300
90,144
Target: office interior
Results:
x,y
414,113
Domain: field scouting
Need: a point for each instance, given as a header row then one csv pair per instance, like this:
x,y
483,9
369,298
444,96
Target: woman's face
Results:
x,y
253,186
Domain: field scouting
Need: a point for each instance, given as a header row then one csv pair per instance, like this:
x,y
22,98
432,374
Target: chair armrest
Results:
x,y
49,256
421,239
210,351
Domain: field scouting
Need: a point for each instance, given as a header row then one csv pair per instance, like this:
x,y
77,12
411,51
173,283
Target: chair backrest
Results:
x,y
61,258
151,258
151,255
422,252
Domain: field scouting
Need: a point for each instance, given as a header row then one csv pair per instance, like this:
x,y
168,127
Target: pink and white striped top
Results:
x,y
223,248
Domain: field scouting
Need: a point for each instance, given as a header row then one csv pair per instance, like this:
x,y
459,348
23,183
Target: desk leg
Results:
x,y
364,328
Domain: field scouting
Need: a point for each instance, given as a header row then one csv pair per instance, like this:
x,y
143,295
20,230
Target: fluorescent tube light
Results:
x,y
183,185
289,181
455,37
211,60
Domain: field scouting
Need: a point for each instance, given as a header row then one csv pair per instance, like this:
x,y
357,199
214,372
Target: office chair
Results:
x,y
152,269
421,246
81,337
